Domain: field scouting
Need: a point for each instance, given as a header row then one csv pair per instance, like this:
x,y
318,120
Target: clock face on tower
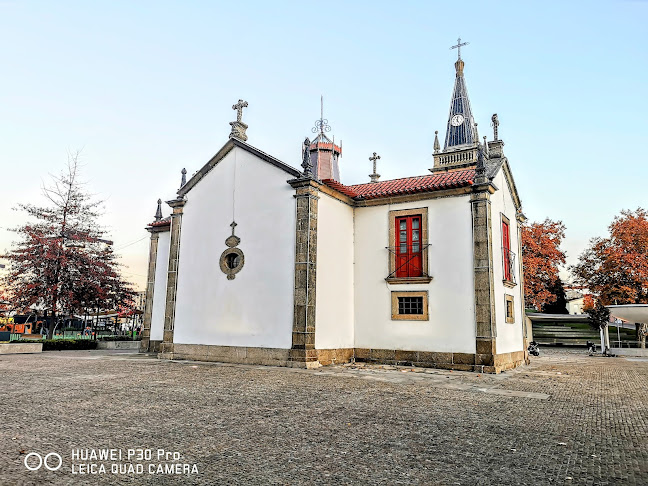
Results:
x,y
456,120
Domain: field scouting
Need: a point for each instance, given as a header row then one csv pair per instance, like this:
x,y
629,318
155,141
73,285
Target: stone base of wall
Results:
x,y
481,363
335,356
232,354
149,346
154,346
314,358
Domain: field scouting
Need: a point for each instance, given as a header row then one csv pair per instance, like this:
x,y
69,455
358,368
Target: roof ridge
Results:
x,y
415,177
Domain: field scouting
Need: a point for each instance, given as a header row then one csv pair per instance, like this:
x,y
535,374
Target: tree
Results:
x,y
62,261
616,268
559,305
541,255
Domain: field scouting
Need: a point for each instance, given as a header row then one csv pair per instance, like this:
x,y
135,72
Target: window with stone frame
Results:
x,y
509,309
410,306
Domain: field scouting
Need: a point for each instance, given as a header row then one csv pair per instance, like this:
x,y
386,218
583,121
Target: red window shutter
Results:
x,y
506,249
409,256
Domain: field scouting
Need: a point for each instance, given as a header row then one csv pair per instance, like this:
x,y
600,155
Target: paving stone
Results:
x,y
567,415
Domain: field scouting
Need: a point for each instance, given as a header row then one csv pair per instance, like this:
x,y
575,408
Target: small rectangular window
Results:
x,y
410,306
510,309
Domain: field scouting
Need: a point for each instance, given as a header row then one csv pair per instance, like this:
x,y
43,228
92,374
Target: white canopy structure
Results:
x,y
630,312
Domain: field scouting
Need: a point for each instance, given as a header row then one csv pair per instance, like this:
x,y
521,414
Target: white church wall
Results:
x,y
160,286
334,314
509,335
451,325
256,308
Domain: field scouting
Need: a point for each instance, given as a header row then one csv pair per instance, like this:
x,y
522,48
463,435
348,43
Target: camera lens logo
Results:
x,y
34,461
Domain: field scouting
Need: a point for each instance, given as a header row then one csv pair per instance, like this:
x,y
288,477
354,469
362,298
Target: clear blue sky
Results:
x,y
146,88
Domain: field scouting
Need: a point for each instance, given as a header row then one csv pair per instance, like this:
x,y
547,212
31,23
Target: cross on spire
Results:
x,y
233,225
459,46
239,109
321,125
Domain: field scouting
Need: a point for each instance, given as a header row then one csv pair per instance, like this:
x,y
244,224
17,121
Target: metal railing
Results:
x,y
405,260
508,265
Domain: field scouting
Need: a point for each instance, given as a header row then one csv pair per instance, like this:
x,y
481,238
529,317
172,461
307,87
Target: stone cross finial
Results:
x,y
158,213
375,176
495,124
239,109
306,163
233,225
238,127
183,181
459,46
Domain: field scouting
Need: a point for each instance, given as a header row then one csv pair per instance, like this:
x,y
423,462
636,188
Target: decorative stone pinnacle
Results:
x,y
495,124
437,146
238,127
183,181
480,170
375,176
485,146
476,133
306,163
158,213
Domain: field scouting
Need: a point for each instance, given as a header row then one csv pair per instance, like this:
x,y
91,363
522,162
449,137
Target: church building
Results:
x,y
263,263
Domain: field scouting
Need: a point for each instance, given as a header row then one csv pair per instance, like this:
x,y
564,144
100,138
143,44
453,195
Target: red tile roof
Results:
x,y
163,222
407,185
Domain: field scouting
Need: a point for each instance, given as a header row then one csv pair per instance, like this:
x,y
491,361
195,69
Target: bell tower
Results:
x,y
324,153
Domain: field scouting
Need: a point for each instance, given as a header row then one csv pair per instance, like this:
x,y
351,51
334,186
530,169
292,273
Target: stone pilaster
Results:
x,y
150,288
302,353
527,330
166,348
486,329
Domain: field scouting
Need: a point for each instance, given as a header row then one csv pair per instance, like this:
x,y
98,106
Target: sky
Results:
x,y
144,89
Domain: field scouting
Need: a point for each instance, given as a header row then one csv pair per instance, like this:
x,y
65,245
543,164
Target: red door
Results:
x,y
409,261
506,244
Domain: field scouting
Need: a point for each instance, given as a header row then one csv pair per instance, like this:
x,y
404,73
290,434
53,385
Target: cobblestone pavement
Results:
x,y
566,419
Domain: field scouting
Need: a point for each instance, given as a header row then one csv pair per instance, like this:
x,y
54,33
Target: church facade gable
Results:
x,y
255,308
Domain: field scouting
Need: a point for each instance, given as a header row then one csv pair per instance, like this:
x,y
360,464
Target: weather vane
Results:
x,y
321,125
459,46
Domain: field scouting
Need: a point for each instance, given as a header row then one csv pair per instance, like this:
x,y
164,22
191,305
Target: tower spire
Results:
x,y
461,124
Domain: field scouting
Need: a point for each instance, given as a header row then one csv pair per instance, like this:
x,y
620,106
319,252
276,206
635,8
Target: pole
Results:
x,y
618,335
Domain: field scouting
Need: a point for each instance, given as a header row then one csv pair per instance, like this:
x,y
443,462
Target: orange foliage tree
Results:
x,y
615,269
541,255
